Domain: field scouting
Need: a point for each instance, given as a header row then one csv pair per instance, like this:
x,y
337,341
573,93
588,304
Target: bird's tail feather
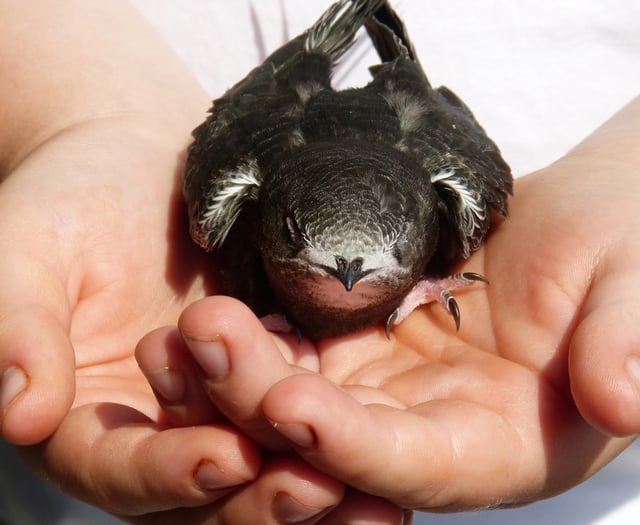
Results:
x,y
389,35
333,34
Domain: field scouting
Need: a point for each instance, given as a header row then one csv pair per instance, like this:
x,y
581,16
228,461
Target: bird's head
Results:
x,y
351,245
351,216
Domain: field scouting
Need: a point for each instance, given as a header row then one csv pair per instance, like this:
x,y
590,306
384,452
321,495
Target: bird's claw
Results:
x,y
451,306
427,290
280,323
390,322
469,278
449,301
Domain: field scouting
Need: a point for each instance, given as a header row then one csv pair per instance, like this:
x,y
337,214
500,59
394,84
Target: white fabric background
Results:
x,y
540,75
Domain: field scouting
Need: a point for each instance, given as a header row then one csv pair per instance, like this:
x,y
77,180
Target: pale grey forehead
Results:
x,y
354,235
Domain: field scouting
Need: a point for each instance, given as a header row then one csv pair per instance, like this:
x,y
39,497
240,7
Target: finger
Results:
x,y
239,360
364,509
287,491
113,457
434,455
173,375
37,369
604,359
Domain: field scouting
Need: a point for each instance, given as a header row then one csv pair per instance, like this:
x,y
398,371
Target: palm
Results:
x,y
495,397
438,412
132,271
112,261
136,274
491,398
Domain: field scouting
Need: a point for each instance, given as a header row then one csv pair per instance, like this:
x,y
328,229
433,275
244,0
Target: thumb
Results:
x,y
37,370
604,358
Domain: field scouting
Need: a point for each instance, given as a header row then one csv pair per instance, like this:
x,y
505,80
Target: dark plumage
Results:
x,y
337,204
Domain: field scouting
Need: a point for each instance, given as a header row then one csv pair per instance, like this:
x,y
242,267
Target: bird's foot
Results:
x,y
280,323
428,290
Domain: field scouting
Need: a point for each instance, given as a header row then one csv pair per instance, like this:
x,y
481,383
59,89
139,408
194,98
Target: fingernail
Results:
x,y
169,384
287,509
298,433
12,383
211,355
633,369
209,476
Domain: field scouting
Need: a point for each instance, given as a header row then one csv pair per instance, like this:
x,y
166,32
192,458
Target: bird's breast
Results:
x,y
320,305
328,292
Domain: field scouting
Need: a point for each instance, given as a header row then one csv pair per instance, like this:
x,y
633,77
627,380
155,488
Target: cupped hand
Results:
x,y
525,401
95,253
89,264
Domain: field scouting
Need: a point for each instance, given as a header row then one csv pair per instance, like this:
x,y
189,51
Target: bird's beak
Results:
x,y
350,275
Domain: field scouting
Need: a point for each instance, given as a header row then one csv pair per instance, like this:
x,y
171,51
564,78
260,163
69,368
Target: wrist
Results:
x,y
615,141
67,66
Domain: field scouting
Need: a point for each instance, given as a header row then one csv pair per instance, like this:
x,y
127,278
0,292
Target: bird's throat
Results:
x,y
320,305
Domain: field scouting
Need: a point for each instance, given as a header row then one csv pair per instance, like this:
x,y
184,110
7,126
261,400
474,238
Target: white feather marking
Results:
x,y
376,262
471,206
317,39
224,203
296,138
333,34
306,90
409,109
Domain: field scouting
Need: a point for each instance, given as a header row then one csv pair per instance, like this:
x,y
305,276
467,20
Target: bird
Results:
x,y
340,209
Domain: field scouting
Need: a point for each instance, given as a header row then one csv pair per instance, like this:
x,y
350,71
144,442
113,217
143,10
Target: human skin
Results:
x,y
538,390
96,254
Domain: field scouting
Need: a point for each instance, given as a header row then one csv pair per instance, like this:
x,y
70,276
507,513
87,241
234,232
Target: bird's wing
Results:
x,y
440,131
259,119
224,171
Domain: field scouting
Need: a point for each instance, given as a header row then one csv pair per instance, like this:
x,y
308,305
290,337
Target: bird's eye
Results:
x,y
401,241
356,265
341,263
404,234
